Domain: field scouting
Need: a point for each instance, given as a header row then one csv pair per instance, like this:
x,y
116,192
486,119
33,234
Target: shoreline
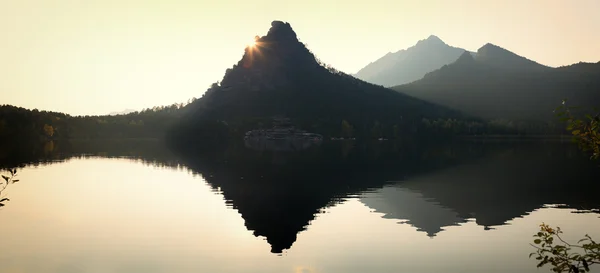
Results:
x,y
563,137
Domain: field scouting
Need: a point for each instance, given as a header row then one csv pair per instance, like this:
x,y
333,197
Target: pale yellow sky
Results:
x,y
94,57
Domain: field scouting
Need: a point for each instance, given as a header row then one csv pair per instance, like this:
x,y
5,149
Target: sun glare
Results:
x,y
252,44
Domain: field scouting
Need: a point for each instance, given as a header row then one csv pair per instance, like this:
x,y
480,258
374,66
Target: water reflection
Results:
x,y
289,144
410,207
278,195
429,187
151,151
493,190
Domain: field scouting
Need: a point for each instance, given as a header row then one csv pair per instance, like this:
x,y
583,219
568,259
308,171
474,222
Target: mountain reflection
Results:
x,y
428,186
504,185
278,194
412,208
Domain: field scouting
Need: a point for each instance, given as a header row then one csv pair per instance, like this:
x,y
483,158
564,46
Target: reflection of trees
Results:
x,y
347,146
148,150
49,147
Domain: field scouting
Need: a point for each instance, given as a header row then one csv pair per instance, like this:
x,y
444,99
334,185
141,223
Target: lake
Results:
x,y
127,206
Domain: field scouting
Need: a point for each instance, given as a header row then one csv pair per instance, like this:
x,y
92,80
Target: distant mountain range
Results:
x,y
124,112
496,83
498,57
279,76
411,64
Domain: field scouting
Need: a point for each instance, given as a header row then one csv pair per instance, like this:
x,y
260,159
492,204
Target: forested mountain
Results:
x,y
411,64
497,83
279,76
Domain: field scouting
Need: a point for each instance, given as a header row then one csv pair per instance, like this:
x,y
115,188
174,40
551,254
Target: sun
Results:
x,y
254,42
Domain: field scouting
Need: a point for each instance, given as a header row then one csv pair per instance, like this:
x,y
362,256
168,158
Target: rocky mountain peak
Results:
x,y
434,38
431,40
272,60
280,31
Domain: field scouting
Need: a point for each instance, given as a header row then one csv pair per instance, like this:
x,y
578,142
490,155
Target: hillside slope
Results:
x,y
279,76
410,64
497,83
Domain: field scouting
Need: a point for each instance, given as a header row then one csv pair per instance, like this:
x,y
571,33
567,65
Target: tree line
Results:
x,y
18,125
21,125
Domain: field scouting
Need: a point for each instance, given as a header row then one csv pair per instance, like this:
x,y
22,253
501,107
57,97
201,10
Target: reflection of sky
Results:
x,y
108,215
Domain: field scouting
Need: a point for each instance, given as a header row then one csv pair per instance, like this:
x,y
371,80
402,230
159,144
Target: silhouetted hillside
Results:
x,y
280,76
497,83
411,64
496,56
20,126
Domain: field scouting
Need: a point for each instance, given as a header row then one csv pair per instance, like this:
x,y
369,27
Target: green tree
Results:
x,y
586,131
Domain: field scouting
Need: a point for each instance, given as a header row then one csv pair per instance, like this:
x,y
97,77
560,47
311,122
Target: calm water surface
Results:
x,y
467,208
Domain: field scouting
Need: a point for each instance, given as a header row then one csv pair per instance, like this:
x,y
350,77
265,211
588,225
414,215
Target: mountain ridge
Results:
x,y
494,55
279,76
410,64
499,84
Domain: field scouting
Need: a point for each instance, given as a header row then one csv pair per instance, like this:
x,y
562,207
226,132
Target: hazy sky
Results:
x,y
94,57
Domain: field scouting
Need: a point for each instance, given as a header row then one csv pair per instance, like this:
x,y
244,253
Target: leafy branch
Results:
x,y
4,184
559,253
586,132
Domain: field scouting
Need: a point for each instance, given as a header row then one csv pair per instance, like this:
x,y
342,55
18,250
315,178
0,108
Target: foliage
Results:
x,y
586,132
7,180
48,130
553,250
23,126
